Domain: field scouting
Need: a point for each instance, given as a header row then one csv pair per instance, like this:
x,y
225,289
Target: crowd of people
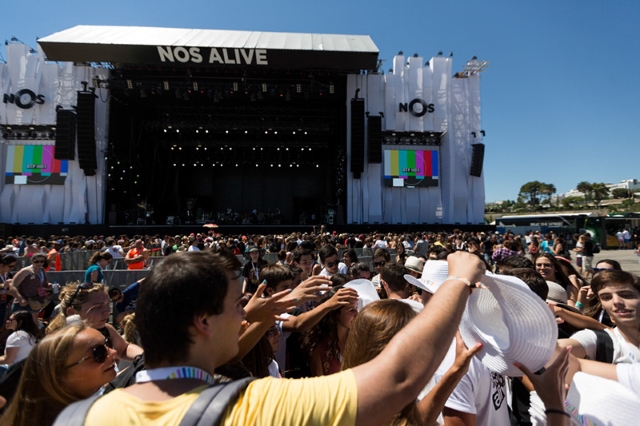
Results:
x,y
362,342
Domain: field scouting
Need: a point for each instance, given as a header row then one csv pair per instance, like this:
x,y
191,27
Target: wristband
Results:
x,y
579,305
466,281
554,411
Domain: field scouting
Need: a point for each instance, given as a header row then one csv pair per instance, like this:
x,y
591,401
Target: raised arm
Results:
x,y
396,376
433,403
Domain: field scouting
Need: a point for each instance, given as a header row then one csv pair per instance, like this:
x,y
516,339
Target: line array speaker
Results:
x,y
477,159
87,133
374,130
357,137
65,135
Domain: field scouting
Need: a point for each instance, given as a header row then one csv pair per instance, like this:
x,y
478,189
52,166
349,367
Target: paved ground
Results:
x,y
627,258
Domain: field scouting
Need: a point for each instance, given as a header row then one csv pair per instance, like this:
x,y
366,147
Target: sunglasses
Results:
x,y
596,270
37,261
99,354
332,264
83,286
381,263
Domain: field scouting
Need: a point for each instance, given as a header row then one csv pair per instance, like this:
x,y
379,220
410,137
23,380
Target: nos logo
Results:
x,y
24,99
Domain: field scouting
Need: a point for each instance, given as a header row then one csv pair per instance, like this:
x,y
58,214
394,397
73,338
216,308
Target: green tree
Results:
x,y
548,189
531,192
599,191
586,188
568,202
620,193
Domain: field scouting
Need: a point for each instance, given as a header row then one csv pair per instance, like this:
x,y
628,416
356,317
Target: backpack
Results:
x,y
207,409
604,346
595,247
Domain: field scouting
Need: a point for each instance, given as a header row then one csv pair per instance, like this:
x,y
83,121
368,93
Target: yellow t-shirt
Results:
x,y
327,400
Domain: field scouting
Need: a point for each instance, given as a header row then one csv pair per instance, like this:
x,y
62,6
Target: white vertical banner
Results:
x,y
441,71
427,90
416,93
401,92
390,102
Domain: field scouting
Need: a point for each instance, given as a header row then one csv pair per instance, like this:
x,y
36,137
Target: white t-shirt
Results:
x,y
342,269
629,376
23,340
281,354
482,393
115,251
623,352
274,370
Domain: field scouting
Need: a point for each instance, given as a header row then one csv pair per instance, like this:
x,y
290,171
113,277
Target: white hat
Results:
x,y
512,323
414,264
433,275
366,292
594,400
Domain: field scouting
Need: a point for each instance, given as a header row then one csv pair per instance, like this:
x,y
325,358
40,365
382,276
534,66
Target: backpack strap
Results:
x,y
604,346
76,413
211,404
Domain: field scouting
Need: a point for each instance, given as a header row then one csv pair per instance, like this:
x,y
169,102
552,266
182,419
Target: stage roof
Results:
x,y
223,48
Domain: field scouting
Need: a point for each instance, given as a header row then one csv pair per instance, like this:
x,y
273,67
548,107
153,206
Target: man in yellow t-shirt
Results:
x,y
189,316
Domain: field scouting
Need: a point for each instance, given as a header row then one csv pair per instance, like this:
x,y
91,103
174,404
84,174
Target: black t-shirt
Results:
x,y
252,272
587,248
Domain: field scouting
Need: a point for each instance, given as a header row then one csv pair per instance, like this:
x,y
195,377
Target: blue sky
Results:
x,y
559,100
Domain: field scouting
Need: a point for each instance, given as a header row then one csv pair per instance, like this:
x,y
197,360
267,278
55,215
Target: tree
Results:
x,y
531,191
548,189
620,193
600,192
584,187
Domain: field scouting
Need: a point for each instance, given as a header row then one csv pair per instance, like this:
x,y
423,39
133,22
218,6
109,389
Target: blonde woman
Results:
x,y
69,365
91,303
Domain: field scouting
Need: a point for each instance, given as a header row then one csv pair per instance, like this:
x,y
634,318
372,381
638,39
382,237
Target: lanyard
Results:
x,y
168,373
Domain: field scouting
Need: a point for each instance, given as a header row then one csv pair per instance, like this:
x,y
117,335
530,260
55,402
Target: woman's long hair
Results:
x,y
259,358
371,331
561,277
97,256
66,294
41,395
25,323
325,330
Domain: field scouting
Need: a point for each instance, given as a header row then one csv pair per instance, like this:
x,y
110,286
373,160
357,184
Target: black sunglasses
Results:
x,y
99,354
381,263
37,261
83,286
332,264
596,270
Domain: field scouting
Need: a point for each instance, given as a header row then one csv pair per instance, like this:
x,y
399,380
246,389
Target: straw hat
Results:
x,y
414,264
512,323
556,293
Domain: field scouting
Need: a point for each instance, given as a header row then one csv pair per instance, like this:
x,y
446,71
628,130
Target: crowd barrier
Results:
x,y
117,275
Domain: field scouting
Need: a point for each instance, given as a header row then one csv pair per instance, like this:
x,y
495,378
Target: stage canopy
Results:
x,y
210,48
